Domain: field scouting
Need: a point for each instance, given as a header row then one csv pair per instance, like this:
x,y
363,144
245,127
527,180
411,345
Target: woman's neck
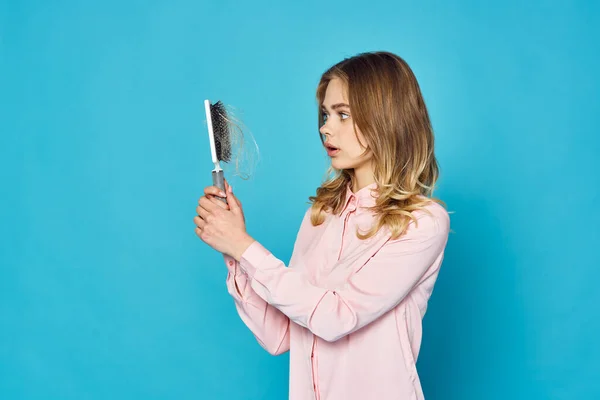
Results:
x,y
363,177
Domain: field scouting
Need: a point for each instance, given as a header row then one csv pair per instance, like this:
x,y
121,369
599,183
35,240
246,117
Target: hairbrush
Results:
x,y
219,134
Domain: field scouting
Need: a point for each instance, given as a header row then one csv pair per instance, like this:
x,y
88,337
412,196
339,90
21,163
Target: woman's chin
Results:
x,y
339,164
347,164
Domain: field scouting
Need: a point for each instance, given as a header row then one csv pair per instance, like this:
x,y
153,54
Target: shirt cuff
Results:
x,y
230,263
253,257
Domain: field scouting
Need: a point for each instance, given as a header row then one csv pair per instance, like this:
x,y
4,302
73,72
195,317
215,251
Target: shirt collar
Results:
x,y
362,198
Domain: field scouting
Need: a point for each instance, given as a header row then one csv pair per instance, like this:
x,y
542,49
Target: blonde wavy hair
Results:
x,y
388,108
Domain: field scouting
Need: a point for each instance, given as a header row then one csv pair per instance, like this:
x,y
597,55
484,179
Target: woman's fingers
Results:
x,y
199,222
207,203
210,192
235,199
213,190
205,208
220,203
202,212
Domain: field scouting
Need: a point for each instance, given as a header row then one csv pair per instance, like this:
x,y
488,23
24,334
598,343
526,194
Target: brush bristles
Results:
x,y
220,124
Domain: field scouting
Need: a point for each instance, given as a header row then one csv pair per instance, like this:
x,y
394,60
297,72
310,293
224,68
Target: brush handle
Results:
x,y
219,181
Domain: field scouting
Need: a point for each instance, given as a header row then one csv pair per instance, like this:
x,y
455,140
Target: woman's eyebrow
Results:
x,y
336,106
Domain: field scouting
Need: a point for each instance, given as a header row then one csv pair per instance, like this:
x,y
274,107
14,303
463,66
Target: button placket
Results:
x,y
351,207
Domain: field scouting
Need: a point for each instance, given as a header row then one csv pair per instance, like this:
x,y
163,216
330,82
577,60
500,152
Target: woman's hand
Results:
x,y
222,226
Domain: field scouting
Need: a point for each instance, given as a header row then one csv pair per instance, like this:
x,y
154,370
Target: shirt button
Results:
x,y
230,262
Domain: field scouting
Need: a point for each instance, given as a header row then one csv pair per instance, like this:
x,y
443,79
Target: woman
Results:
x,y
349,306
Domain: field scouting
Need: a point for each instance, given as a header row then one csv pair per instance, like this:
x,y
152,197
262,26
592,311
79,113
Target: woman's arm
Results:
x,y
380,285
269,325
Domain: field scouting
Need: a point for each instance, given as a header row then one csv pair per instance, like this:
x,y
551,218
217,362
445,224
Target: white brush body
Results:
x,y
211,136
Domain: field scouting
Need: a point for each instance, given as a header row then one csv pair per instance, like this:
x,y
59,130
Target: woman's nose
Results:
x,y
324,129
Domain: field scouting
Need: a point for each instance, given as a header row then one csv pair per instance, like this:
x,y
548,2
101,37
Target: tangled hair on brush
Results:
x,y
234,142
389,110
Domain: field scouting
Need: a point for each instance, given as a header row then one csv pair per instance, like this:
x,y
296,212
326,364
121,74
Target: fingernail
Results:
x,y
230,189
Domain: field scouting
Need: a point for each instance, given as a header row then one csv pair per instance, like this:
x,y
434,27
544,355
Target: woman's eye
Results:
x,y
343,116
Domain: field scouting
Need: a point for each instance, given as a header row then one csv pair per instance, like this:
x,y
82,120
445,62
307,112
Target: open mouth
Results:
x,y
331,150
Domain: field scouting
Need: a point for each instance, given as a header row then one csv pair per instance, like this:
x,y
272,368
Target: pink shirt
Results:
x,y
349,311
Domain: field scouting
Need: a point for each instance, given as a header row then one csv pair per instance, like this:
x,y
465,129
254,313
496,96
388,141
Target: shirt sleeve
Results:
x,y
269,325
377,287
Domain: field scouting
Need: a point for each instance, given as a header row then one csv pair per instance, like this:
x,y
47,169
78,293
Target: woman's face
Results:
x,y
338,130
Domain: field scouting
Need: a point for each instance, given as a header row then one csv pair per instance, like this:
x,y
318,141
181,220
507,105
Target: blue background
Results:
x,y
106,292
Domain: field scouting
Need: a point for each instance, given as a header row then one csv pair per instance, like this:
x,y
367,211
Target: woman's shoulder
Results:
x,y
432,218
434,206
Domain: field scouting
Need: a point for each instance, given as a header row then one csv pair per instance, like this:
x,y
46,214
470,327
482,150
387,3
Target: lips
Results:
x,y
331,151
